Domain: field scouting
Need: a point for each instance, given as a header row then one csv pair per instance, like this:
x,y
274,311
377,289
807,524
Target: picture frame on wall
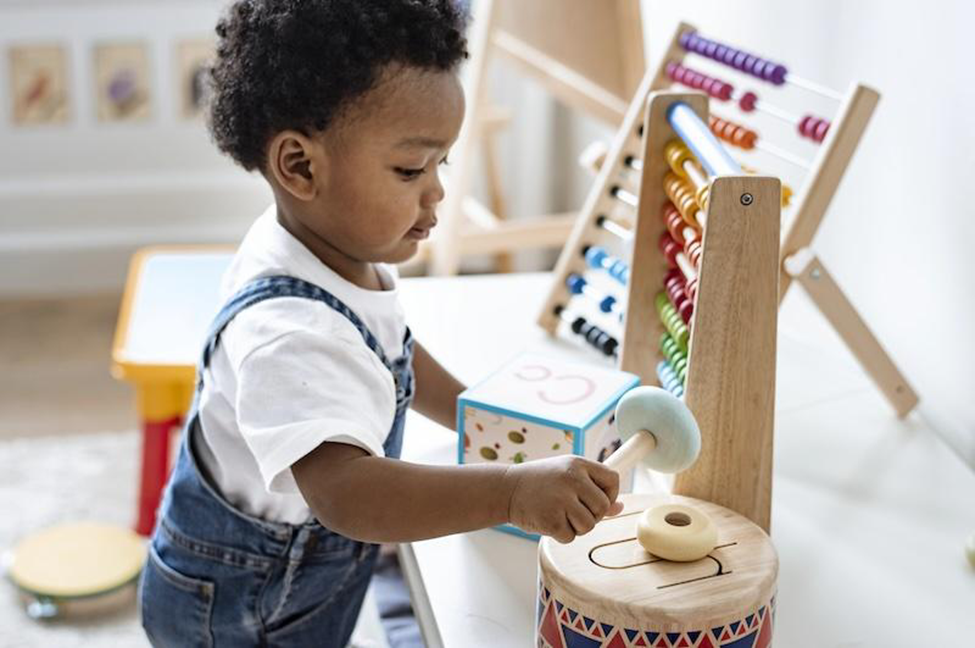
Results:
x,y
39,84
122,82
194,58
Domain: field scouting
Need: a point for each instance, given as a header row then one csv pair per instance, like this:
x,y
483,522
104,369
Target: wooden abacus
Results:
x,y
837,139
732,273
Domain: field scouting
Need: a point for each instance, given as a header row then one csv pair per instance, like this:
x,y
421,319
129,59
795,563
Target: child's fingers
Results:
x,y
594,499
564,533
615,509
606,478
581,519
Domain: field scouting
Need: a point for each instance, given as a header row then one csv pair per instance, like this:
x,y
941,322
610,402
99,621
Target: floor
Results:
x,y
59,349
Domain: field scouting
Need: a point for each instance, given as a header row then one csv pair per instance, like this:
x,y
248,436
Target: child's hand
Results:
x,y
562,497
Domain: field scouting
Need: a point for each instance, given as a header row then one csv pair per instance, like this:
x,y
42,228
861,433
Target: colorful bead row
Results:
x,y
755,66
677,358
733,133
669,380
686,199
699,81
578,286
809,126
599,259
671,320
815,128
676,287
595,336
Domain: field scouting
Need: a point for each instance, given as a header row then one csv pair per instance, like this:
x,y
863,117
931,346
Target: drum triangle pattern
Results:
x,y
562,627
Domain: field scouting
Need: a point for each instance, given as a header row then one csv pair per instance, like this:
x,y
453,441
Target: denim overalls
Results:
x,y
217,576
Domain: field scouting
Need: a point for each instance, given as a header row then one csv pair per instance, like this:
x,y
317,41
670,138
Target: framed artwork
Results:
x,y
122,82
39,84
193,60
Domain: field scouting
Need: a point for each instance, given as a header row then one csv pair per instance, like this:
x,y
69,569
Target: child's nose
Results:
x,y
434,194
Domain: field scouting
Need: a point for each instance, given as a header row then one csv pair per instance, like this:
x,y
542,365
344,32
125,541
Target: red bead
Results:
x,y
748,101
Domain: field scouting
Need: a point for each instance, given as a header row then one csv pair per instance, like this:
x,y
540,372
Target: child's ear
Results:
x,y
294,160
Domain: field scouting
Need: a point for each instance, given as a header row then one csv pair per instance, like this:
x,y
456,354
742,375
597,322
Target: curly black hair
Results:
x,y
285,64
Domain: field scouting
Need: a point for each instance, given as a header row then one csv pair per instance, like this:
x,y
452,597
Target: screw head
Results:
x,y
747,199
815,274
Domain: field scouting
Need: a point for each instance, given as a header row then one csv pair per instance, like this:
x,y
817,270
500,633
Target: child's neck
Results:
x,y
363,274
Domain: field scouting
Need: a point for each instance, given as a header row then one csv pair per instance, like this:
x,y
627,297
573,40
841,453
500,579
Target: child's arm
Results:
x,y
376,499
436,389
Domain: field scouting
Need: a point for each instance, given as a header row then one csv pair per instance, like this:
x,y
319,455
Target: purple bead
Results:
x,y
778,74
720,52
709,49
739,60
685,39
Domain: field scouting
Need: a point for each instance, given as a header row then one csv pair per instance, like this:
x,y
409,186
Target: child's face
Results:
x,y
378,195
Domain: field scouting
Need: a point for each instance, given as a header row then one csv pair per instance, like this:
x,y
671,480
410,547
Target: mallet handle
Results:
x,y
635,448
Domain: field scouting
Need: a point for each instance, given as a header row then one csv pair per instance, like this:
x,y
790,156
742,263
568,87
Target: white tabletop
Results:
x,y
869,513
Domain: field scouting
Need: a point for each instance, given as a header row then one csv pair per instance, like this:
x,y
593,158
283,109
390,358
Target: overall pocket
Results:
x,y
176,609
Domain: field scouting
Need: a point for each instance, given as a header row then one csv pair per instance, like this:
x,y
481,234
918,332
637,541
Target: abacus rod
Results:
x,y
702,142
615,228
624,196
782,154
759,143
776,112
812,86
690,272
694,174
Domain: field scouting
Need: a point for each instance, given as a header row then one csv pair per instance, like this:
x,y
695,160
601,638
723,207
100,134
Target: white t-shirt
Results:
x,y
290,373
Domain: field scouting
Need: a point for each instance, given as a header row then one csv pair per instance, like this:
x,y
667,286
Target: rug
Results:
x,y
90,477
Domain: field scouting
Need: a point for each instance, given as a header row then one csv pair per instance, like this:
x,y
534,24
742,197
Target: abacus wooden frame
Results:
x,y
469,227
814,197
819,187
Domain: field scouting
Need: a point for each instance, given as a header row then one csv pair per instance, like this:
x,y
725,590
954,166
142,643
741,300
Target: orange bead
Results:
x,y
733,133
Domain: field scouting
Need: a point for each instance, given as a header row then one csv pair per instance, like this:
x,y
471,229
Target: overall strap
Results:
x,y
264,288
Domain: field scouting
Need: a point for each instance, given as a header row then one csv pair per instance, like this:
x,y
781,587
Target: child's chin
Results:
x,y
406,251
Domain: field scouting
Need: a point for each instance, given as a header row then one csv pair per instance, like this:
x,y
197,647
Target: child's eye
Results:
x,y
408,174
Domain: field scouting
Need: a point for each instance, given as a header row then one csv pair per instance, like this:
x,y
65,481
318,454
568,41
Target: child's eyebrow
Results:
x,y
421,142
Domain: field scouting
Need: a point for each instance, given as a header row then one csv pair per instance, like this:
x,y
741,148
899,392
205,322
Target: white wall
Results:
x,y
77,198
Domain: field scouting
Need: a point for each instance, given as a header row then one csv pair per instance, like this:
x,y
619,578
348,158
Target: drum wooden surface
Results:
x,y
77,560
604,589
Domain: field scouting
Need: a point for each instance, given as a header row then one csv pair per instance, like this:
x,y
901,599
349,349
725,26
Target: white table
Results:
x,y
869,513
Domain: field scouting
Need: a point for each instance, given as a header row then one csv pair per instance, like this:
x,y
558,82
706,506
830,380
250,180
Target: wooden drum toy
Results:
x,y
605,590
669,571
